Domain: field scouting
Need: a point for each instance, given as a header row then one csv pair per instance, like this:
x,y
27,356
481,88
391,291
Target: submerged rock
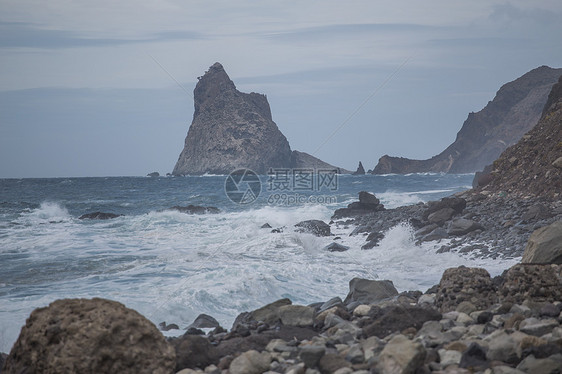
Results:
x,y
89,336
99,215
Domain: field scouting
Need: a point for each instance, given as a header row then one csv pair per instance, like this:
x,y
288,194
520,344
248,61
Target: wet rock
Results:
x,y
194,351
365,291
311,355
296,315
99,215
462,226
402,355
89,336
545,245
315,227
336,247
397,318
373,239
251,362
196,209
204,321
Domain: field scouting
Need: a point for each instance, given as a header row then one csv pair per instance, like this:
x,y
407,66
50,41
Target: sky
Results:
x,y
104,88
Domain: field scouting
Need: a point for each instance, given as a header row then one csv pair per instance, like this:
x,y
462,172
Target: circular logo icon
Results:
x,y
242,186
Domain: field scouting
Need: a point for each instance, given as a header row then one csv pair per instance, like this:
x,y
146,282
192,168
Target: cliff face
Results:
x,y
515,109
232,130
533,166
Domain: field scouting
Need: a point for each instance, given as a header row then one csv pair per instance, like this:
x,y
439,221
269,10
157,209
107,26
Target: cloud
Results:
x,y
25,35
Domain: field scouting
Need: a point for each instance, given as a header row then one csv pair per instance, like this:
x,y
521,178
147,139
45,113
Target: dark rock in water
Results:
x,y
204,321
514,111
89,336
193,351
196,209
463,226
373,239
165,327
360,169
99,215
232,130
153,174
545,245
474,358
368,203
315,227
366,291
265,226
335,247
397,318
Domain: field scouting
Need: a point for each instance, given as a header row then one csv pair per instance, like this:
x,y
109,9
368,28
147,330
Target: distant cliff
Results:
x,y
533,166
515,109
232,129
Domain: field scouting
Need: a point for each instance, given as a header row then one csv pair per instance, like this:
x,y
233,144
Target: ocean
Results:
x,y
171,266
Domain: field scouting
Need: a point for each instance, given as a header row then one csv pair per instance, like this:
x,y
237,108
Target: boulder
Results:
x,y
502,347
402,355
204,321
540,283
545,245
462,226
196,209
332,362
543,365
99,215
251,362
366,291
268,314
373,239
465,284
397,318
194,351
315,227
439,217
89,336
368,203
336,247
457,204
557,163
296,315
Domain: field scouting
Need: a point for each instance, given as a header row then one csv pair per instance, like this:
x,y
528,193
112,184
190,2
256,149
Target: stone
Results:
x,y
427,299
336,247
296,315
462,226
449,357
531,365
441,216
367,199
545,245
89,336
465,284
536,212
557,163
99,215
194,351
315,227
534,327
402,355
204,321
465,319
397,318
311,355
534,282
474,358
484,317
366,291
502,347
331,362
251,362
465,307
196,209
361,310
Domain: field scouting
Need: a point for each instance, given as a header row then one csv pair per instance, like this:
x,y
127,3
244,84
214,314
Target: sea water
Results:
x,y
172,266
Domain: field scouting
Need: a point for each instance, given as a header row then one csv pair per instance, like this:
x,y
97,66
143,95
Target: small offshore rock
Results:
x,y
196,209
296,315
204,321
315,227
99,215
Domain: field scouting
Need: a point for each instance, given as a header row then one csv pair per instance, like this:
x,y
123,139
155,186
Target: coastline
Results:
x,y
468,310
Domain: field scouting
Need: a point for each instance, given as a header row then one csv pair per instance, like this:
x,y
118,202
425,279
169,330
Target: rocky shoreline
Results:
x,y
468,323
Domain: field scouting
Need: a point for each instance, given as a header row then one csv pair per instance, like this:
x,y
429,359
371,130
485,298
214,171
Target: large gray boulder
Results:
x,y
89,336
367,291
545,245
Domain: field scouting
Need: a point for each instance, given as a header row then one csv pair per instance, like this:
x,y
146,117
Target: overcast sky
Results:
x,y
88,88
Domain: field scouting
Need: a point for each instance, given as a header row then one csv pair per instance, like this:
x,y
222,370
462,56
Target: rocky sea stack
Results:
x,y
232,130
515,109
